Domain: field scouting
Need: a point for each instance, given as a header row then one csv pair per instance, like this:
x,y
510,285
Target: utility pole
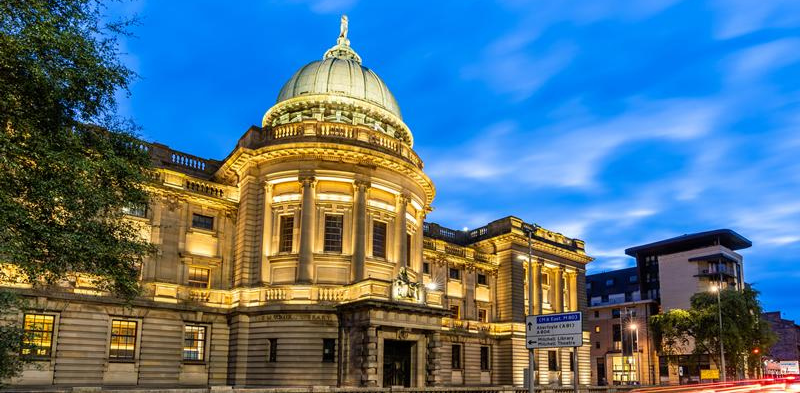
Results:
x,y
531,364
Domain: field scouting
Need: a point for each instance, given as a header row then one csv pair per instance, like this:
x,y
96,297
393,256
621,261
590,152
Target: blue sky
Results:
x,y
616,122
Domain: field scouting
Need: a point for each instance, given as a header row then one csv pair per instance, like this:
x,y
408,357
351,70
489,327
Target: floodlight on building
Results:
x,y
431,286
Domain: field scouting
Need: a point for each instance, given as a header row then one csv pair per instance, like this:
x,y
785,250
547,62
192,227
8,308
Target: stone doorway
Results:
x,y
397,363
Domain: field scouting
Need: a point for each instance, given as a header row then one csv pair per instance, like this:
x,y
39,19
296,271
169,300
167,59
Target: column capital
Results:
x,y
268,186
404,198
360,184
307,179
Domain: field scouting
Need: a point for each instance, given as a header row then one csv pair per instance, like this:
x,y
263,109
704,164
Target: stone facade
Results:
x,y
303,259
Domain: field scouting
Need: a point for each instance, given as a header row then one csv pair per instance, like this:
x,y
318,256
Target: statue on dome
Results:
x,y
343,27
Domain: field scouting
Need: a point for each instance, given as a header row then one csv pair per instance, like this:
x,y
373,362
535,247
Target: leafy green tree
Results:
x,y
697,329
69,164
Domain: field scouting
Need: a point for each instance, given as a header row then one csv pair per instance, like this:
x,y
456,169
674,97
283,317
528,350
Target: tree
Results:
x,y
69,164
697,329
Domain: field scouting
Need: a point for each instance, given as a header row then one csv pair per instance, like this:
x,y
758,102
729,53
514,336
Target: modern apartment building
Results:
x,y
672,270
621,346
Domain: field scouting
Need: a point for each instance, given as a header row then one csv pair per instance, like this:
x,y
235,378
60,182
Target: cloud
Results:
x,y
759,60
739,17
508,69
570,153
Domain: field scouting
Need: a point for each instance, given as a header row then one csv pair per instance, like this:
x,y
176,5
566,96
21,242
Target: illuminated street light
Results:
x,y
716,289
633,326
431,286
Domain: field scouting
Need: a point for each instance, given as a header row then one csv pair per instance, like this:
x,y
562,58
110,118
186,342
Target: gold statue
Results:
x,y
343,27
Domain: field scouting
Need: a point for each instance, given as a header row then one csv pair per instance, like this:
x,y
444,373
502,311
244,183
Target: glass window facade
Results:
x,y
38,339
123,339
286,234
194,343
202,222
333,233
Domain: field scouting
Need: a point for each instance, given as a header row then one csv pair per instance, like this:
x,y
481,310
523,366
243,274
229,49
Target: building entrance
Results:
x,y
397,363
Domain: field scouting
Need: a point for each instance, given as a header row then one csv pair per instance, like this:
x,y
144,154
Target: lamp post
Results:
x,y
635,349
718,289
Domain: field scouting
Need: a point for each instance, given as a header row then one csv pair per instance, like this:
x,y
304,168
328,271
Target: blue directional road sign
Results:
x,y
554,330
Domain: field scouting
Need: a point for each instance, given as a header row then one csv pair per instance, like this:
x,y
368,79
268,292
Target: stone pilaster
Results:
x,y
401,232
433,365
572,279
370,364
305,268
266,234
558,295
537,290
360,232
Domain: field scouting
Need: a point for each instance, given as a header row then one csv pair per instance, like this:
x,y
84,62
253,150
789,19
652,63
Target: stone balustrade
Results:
x,y
340,131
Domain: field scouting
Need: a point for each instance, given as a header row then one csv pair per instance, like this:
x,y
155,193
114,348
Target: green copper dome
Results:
x,y
340,73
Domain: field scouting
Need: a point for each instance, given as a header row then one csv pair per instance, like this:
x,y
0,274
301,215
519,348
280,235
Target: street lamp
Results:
x,y
717,289
635,349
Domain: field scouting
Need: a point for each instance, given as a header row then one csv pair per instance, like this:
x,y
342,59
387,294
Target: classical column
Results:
x,y
266,234
360,237
305,268
537,290
400,230
573,291
558,301
416,259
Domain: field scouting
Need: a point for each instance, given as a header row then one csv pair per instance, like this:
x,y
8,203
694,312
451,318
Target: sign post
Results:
x,y
556,331
531,363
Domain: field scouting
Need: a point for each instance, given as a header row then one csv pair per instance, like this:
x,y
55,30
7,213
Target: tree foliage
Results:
x,y
697,329
68,163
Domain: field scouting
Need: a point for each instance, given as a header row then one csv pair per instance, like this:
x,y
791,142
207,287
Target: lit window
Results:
x,y
328,350
333,233
379,239
485,365
38,339
194,343
136,210
202,222
286,234
597,329
455,359
482,279
123,340
455,311
609,282
454,274
198,277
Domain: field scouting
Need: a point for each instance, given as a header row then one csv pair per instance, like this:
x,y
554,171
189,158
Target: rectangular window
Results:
x,y
597,329
455,311
426,268
328,350
597,344
333,232
136,210
379,239
454,273
485,365
272,350
597,314
552,360
455,359
286,234
545,279
123,340
483,315
482,279
202,222
194,343
572,362
615,313
616,332
38,339
609,282
198,277
632,279
408,250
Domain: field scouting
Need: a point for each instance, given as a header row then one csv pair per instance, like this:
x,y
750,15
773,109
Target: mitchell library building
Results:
x,y
304,259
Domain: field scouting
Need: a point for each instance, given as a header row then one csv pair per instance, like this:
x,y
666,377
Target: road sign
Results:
x,y
790,366
554,330
709,374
